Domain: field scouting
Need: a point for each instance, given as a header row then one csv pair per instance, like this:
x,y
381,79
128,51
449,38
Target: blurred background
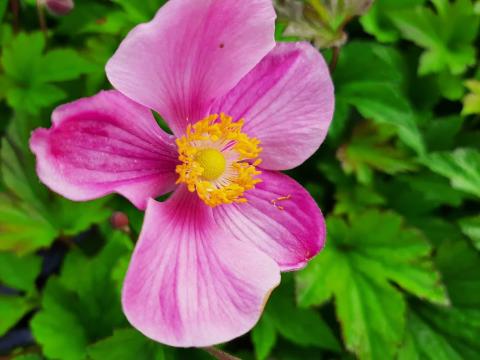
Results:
x,y
398,179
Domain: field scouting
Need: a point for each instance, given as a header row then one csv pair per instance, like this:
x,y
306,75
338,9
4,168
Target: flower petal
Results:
x,y
191,284
191,53
104,144
280,218
287,102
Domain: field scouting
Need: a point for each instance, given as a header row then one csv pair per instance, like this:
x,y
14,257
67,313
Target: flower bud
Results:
x,y
59,7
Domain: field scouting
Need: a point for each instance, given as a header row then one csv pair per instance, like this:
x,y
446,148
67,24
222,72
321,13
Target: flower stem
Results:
x,y
14,6
219,354
41,18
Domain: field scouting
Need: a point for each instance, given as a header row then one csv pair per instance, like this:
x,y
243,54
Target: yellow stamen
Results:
x,y
218,161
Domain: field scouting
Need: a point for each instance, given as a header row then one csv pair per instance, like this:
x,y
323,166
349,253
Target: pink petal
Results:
x,y
105,144
191,53
191,284
280,218
287,102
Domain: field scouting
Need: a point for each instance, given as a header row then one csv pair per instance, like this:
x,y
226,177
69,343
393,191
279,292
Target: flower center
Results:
x,y
213,163
218,160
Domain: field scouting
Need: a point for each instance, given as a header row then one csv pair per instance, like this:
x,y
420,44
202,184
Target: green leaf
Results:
x,y
19,272
459,264
378,21
29,72
435,332
471,102
371,148
62,65
3,7
471,227
58,326
126,344
461,166
447,35
368,76
83,304
12,309
264,337
22,228
302,326
357,268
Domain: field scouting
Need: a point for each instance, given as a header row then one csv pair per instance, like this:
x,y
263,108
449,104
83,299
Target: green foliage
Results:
x,y
461,166
83,304
357,268
378,21
126,344
447,35
375,87
30,72
471,102
398,180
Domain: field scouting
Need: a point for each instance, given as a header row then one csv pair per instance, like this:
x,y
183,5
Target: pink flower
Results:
x,y
208,257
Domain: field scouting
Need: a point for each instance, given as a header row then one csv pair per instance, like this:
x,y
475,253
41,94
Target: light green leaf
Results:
x,y
126,344
12,309
461,166
19,272
447,35
378,21
264,337
471,102
29,72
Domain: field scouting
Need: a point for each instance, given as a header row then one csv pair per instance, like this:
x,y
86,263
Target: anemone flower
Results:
x,y
241,108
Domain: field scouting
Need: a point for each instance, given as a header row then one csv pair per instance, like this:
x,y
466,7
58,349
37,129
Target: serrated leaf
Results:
x,y
357,266
461,166
126,344
449,333
29,72
447,35
12,309
378,21
19,272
